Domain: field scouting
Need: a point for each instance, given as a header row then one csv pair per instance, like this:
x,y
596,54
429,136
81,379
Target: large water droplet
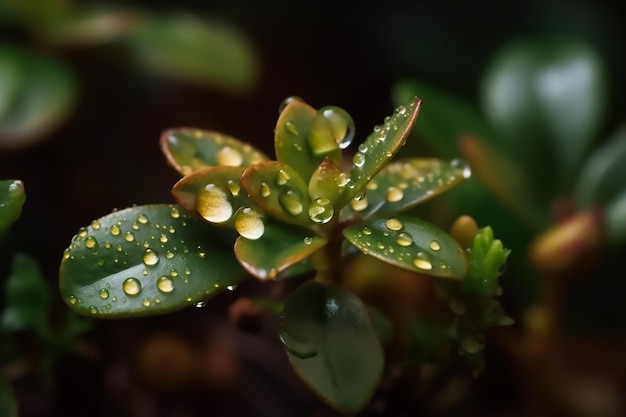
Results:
x,y
394,194
422,261
234,187
434,245
340,123
131,286
249,223
321,210
359,159
115,230
104,293
265,190
404,239
129,237
150,258
394,224
282,177
142,219
213,204
291,202
229,157
358,205
91,242
165,284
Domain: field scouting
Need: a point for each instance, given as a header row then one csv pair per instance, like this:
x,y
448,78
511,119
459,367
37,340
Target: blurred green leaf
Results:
x,y
332,345
202,51
547,97
32,13
12,198
8,404
411,244
145,260
27,297
615,219
41,93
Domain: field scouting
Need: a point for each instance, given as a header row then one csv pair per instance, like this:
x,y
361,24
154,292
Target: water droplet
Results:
x,y
340,123
93,310
165,284
131,286
359,205
321,210
308,240
82,232
422,261
282,177
163,238
175,213
249,223
367,231
200,304
291,128
150,258
359,159
286,102
91,242
229,157
291,202
95,225
213,204
231,287
145,302
234,187
169,255
401,110
404,239
265,190
104,293
142,219
434,245
463,166
394,224
129,237
342,180
394,194
115,230
73,300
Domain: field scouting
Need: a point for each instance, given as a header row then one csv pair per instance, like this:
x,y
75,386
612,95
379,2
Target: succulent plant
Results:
x,y
238,214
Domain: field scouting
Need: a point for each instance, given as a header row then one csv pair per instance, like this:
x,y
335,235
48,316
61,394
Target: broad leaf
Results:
x,y
379,147
188,150
12,198
404,184
279,190
145,260
332,345
276,248
412,244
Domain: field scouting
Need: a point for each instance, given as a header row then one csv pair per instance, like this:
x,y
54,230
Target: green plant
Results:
x,y
239,214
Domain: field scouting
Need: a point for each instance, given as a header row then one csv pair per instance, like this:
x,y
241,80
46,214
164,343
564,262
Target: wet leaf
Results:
x,y
406,183
412,244
39,94
325,181
278,248
332,345
12,198
145,260
188,150
213,193
379,147
205,52
279,190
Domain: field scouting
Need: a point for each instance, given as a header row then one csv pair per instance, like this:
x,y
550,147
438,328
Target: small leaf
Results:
x,y
332,345
189,150
145,260
412,244
213,193
278,248
279,190
325,181
12,198
379,148
406,183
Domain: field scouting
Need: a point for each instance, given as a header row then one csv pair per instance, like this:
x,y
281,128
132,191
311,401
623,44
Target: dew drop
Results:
x,y
342,180
234,188
129,237
200,304
394,194
104,293
163,238
462,166
213,204
291,128
359,159
282,177
321,210
82,232
359,205
404,239
131,286
150,258
367,231
91,242
142,219
175,213
93,310
422,261
308,240
228,156
165,284
265,190
401,110
73,300
145,302
249,223
393,223
291,202
286,102
434,245
115,230
169,254
95,225
340,123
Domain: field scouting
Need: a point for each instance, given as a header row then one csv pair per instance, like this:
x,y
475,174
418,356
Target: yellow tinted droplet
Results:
x,y
308,240
367,231
291,202
135,226
282,177
421,261
129,237
434,245
95,225
163,238
372,185
73,300
321,210
265,190
213,204
93,310
249,223
358,159
150,257
358,205
66,254
229,156
394,194
145,302
90,242
115,230
291,128
104,294
404,239
142,219
82,232
234,188
131,286
393,224
174,213
169,255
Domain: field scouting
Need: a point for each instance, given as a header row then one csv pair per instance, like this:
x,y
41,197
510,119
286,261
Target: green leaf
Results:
x,y
615,219
404,184
12,198
602,176
379,147
189,150
40,94
279,190
213,193
205,52
412,244
547,91
443,120
27,297
145,260
332,345
278,248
